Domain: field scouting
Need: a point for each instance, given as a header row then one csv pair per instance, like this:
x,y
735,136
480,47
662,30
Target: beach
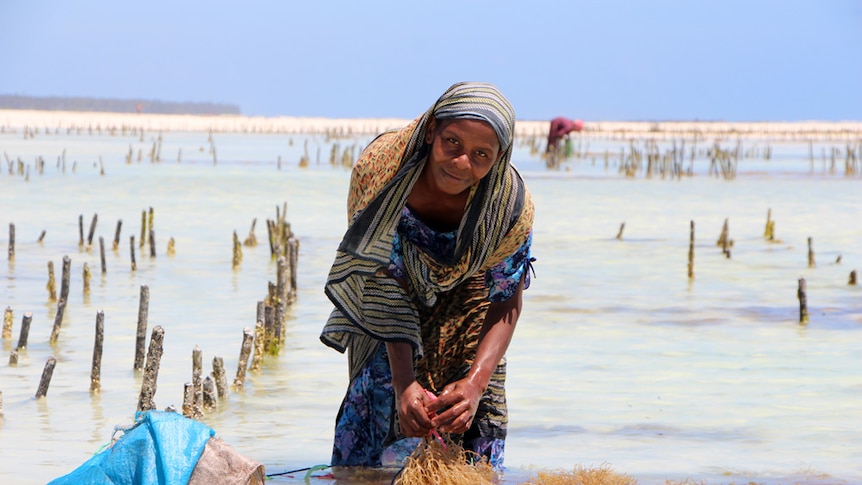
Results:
x,y
117,122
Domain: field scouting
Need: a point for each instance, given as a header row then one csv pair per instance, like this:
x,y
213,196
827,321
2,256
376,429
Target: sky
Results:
x,y
622,60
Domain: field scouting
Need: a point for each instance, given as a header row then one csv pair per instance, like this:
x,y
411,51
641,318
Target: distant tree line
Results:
x,y
114,105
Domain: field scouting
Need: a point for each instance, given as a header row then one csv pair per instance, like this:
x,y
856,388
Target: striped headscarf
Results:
x,y
371,306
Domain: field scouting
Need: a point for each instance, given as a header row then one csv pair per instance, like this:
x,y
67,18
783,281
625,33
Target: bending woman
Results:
x,y
427,281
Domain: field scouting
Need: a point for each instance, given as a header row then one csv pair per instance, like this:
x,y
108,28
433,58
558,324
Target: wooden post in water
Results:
x,y
102,254
197,384
143,228
25,331
801,293
11,241
86,278
767,231
852,280
220,378
58,320
80,230
152,243
620,232
209,395
171,247
251,240
92,231
41,237
293,260
67,273
691,252
722,241
47,372
237,251
811,263
132,252
188,398
117,234
268,327
8,317
52,284
96,368
141,334
242,365
259,336
151,372
280,302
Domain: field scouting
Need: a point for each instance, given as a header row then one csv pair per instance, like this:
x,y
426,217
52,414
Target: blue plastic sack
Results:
x,y
161,448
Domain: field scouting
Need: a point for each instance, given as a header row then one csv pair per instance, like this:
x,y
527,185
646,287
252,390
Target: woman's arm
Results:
x,y
410,397
462,397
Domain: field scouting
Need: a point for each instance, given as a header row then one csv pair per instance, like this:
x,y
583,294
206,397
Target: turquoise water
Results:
x,y
619,359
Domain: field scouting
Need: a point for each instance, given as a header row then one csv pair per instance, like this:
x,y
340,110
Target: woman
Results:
x,y
427,280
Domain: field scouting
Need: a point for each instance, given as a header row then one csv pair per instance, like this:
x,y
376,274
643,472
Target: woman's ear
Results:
x,y
429,130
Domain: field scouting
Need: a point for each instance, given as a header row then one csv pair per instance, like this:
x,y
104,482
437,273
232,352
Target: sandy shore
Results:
x,y
15,120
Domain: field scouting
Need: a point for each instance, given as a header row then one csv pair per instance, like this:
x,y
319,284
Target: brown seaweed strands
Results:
x,y
432,463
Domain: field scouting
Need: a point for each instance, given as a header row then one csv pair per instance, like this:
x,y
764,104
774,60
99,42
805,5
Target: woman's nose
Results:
x,y
461,161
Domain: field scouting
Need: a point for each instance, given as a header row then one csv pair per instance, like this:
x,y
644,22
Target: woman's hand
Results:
x,y
460,400
412,404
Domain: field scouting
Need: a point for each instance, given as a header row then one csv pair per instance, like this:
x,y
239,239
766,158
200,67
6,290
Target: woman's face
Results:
x,y
462,152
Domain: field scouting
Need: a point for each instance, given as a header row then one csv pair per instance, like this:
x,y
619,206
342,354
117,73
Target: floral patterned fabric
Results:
x,y
502,279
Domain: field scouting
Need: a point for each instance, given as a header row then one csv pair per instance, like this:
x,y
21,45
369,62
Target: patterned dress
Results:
x,y
366,430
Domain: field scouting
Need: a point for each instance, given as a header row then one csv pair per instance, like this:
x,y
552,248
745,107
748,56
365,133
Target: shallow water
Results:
x,y
619,358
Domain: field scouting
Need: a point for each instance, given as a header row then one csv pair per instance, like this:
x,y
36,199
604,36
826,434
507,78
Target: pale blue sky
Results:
x,y
735,60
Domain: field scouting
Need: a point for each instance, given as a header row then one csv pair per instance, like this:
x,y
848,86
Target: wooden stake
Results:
x,y
143,227
67,273
13,358
811,263
767,231
8,317
47,372
92,231
141,334
151,372
188,398
237,251
25,331
102,254
152,243
197,384
81,230
691,252
58,321
801,293
132,252
251,240
96,368
242,365
11,241
852,280
220,378
209,393
620,232
86,278
117,235
258,346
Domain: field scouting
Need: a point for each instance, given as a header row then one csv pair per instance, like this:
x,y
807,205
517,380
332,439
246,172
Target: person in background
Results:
x,y
427,282
560,129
